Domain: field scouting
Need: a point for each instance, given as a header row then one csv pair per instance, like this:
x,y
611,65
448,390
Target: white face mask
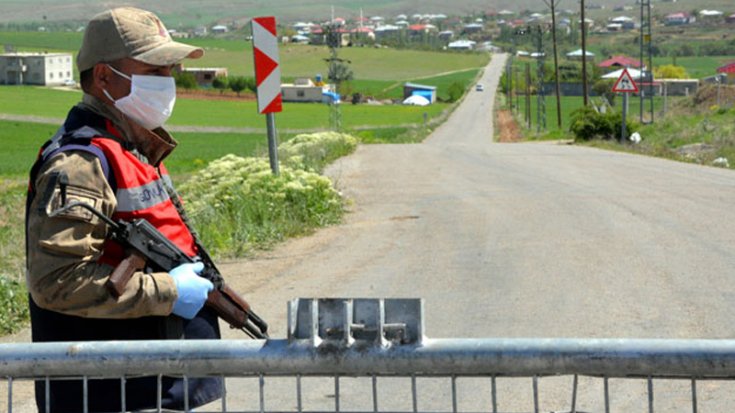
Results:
x,y
151,99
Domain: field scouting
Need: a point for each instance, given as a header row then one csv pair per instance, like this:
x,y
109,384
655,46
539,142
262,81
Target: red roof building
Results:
x,y
620,61
728,68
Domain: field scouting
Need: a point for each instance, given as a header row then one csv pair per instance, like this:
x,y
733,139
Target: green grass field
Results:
x,y
296,115
696,66
22,140
39,101
296,60
365,62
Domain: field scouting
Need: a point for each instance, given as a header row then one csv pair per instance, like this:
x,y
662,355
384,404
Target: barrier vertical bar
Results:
x,y
650,394
10,395
535,394
224,395
454,394
298,393
159,388
694,395
47,390
85,394
123,395
574,394
186,393
494,394
261,386
413,394
375,394
336,393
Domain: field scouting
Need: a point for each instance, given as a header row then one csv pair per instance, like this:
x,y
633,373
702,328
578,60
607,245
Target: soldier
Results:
x,y
109,154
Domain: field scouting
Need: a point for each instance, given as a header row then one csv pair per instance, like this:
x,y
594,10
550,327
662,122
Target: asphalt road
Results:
x,y
523,240
520,240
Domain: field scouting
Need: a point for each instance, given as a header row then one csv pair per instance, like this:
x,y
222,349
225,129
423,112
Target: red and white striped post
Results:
x,y
268,79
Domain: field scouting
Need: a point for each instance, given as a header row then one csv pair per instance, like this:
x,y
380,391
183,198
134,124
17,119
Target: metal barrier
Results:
x,y
374,353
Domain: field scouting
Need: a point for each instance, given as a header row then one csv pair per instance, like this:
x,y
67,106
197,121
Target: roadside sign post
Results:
x,y
625,85
268,80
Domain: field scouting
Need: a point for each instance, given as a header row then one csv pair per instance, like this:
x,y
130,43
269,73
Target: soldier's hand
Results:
x,y
192,289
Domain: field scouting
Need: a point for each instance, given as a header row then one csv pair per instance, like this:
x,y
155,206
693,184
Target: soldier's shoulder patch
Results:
x,y
74,194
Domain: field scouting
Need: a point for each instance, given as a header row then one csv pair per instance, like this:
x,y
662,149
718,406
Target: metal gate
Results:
x,y
370,355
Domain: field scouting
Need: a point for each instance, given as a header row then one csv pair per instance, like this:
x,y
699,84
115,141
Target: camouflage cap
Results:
x,y
130,32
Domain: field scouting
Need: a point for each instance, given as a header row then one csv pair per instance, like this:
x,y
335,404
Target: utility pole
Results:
x,y
646,43
334,42
509,82
518,84
584,57
553,4
528,95
540,95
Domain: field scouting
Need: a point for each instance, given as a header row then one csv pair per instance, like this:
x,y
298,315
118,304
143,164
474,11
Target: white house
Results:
x,y
302,90
462,45
577,55
711,13
50,69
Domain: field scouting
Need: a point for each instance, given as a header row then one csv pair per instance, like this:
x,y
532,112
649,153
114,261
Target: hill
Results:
x,y
179,13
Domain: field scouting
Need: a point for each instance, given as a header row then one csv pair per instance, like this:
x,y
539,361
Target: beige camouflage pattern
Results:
x,y
130,32
62,273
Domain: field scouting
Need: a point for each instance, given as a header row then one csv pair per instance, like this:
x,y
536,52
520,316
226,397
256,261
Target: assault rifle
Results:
x,y
148,247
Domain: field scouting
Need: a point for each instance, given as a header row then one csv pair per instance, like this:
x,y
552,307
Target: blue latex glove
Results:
x,y
192,289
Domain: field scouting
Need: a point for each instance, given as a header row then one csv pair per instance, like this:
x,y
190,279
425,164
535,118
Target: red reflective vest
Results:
x,y
141,193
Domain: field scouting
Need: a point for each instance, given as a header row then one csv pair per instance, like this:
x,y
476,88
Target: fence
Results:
x,y
371,355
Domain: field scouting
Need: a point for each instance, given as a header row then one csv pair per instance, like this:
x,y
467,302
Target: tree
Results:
x,y
220,83
238,84
455,91
670,72
604,88
250,84
340,72
185,80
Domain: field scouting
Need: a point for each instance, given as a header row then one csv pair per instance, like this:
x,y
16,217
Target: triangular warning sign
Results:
x,y
625,83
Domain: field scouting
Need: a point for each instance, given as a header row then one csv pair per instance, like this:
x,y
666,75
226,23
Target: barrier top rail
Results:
x,y
363,337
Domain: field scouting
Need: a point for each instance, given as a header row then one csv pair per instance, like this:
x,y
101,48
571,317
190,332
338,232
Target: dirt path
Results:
x,y
508,129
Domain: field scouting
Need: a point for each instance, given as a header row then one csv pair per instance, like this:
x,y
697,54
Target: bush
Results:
x,y
314,151
588,124
670,72
238,205
220,83
455,91
240,83
185,80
